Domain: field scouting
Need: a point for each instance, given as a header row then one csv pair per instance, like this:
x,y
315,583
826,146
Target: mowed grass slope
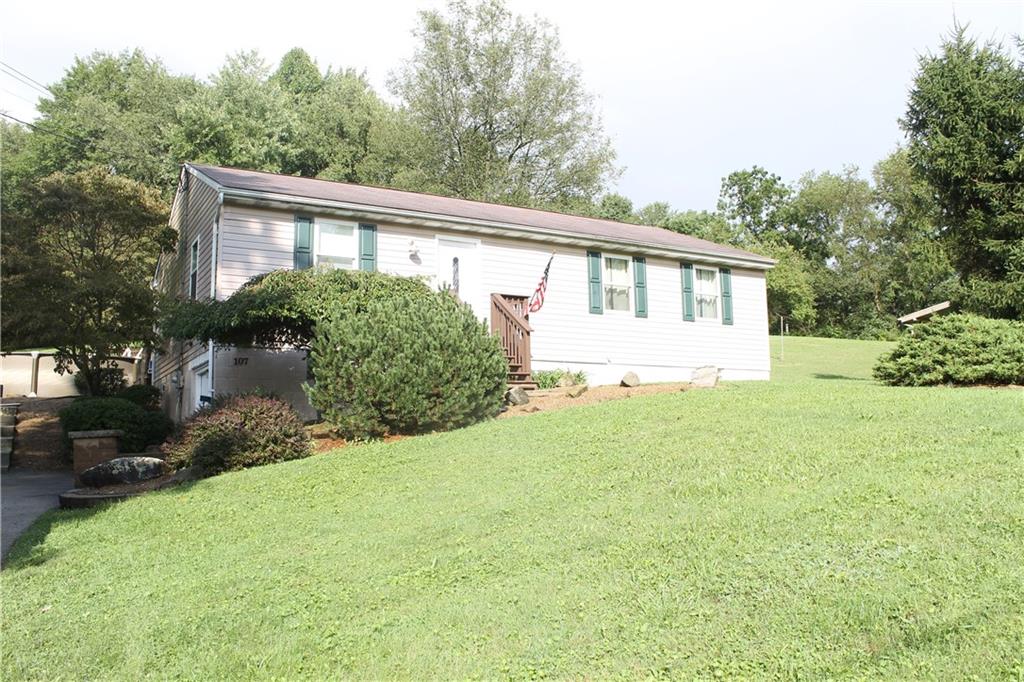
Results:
x,y
818,525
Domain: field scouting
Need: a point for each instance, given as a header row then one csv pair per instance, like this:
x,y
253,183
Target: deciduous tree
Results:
x,y
88,243
506,115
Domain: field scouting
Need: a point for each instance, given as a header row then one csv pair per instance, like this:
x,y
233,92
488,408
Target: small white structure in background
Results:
x,y
923,314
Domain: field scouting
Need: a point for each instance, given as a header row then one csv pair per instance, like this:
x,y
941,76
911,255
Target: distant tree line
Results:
x,y
489,108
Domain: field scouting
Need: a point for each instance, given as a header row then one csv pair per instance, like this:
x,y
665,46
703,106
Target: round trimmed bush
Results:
x,y
405,364
956,349
145,396
112,382
141,427
237,432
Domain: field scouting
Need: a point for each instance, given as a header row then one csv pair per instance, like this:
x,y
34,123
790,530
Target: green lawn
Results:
x,y
817,526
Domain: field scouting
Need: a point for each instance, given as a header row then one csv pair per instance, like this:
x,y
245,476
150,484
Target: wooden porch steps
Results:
x,y
509,323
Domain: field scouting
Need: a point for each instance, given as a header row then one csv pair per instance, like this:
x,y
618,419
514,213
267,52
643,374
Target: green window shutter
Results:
x,y
594,280
367,247
687,274
725,275
303,243
640,284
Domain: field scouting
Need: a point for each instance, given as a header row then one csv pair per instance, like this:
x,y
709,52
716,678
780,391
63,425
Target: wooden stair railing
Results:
x,y
508,321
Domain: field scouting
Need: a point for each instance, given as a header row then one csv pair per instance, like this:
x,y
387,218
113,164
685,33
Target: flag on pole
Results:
x,y
537,300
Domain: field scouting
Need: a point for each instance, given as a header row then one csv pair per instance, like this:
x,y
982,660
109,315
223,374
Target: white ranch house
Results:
x,y
620,297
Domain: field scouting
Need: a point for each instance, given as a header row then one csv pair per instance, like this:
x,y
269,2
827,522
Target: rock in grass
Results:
x,y
517,395
577,391
123,470
630,380
705,377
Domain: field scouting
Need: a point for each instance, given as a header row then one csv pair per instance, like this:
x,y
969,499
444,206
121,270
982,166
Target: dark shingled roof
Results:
x,y
326,190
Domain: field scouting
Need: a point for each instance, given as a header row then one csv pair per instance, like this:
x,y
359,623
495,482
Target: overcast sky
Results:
x,y
688,91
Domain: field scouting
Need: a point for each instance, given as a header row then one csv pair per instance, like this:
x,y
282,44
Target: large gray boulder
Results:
x,y
630,380
517,395
705,377
123,470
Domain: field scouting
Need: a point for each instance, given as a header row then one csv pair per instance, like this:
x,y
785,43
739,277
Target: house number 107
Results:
x,y
241,361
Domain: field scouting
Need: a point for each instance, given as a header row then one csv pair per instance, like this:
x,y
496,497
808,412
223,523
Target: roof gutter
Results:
x,y
471,225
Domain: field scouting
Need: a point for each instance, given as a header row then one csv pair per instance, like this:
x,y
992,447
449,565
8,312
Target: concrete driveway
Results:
x,y
24,495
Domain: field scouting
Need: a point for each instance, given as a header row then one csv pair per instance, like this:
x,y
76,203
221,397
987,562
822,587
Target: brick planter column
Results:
x,y
90,448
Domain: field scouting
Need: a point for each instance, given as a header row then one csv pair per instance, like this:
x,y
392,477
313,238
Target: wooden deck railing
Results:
x,y
508,321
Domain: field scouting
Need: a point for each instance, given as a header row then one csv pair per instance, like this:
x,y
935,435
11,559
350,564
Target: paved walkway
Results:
x,y
24,496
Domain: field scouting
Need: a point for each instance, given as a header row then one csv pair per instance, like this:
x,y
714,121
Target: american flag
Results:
x,y
537,300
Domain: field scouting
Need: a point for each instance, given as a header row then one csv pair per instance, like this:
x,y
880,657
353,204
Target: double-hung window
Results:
x,y
336,244
193,270
616,283
706,293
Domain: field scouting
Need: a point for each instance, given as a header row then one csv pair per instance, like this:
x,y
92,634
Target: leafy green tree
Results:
x,y
916,270
615,207
828,212
704,225
789,286
753,201
657,213
965,124
114,111
243,119
506,115
298,74
88,244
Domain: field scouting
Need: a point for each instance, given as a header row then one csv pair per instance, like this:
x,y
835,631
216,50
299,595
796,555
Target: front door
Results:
x,y
458,271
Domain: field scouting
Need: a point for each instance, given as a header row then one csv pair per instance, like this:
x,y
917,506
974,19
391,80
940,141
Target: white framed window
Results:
x,y
706,294
617,283
336,244
193,270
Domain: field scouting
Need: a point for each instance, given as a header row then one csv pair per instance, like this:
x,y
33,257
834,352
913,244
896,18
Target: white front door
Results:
x,y
458,270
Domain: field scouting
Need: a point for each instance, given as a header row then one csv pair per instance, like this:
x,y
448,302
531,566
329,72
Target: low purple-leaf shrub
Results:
x,y
238,432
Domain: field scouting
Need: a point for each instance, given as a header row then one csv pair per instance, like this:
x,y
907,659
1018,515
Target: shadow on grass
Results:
x,y
842,377
30,549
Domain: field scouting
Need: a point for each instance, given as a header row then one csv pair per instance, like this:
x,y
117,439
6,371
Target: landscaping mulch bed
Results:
x,y
558,398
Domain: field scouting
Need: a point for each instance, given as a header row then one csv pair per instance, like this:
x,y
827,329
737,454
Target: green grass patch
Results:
x,y
820,525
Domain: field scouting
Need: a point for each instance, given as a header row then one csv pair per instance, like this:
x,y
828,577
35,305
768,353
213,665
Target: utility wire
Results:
x,y
36,84
24,82
42,130
14,94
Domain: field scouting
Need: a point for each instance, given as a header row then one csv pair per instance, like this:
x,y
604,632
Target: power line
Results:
x,y
42,130
23,81
14,94
36,83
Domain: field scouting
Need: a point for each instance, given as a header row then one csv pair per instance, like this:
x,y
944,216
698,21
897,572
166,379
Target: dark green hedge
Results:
x,y
405,364
141,427
956,349
282,307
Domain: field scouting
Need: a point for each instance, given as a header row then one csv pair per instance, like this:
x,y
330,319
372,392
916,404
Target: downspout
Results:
x,y
214,262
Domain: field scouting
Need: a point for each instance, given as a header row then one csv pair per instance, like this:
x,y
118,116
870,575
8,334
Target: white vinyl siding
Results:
x,y
660,347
